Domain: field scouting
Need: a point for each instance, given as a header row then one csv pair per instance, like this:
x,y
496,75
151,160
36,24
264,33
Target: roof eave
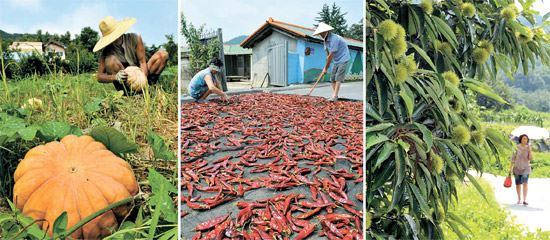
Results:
x,y
250,40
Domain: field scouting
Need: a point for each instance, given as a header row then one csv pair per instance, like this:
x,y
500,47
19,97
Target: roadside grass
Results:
x,y
486,219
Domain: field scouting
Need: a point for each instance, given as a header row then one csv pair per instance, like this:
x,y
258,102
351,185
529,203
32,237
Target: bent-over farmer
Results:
x,y
121,50
337,54
205,82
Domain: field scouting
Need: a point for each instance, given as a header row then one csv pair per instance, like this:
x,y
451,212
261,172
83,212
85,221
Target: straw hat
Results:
x,y
111,30
323,27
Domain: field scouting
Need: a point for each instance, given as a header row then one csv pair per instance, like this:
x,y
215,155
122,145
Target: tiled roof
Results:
x,y
293,29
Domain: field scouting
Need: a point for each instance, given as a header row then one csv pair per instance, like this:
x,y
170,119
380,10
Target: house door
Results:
x,y
277,63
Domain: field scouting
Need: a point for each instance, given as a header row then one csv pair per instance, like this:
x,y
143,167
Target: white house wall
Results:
x,y
258,61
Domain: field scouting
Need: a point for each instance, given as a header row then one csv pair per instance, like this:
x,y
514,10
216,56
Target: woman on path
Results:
x,y
521,167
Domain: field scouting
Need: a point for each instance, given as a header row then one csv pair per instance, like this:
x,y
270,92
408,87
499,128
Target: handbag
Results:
x,y
508,181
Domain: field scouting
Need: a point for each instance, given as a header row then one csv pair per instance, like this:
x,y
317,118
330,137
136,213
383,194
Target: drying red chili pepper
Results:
x,y
272,142
211,223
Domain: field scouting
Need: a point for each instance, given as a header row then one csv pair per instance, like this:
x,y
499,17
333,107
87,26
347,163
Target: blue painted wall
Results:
x,y
306,69
314,62
294,69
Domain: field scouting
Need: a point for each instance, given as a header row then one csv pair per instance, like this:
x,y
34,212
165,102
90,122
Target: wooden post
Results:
x,y
222,57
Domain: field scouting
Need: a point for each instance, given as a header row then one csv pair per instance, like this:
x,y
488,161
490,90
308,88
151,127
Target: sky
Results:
x,y
542,7
155,18
243,17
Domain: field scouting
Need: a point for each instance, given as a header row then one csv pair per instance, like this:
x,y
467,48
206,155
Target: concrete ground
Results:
x,y
348,90
352,90
536,214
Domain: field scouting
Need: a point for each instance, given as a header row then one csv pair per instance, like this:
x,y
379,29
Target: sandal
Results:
x,y
525,203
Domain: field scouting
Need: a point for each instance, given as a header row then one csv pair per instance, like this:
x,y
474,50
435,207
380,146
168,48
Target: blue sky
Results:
x,y
155,18
242,17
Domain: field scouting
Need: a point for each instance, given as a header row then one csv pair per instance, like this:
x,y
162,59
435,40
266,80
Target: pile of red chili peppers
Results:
x,y
294,142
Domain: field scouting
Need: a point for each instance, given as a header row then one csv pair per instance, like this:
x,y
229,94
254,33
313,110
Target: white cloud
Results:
x,y
88,14
27,4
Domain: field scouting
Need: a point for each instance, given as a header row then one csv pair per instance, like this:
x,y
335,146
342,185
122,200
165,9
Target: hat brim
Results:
x,y
122,27
319,31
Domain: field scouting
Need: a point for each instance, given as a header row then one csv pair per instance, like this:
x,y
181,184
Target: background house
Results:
x,y
237,62
27,48
290,54
56,48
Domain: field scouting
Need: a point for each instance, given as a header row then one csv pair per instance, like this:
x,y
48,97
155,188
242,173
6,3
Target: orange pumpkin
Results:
x,y
136,79
77,175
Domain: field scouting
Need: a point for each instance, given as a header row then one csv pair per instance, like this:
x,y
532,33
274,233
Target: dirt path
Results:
x,y
535,215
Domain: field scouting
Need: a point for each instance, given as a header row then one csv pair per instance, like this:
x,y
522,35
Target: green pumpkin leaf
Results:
x,y
50,131
156,179
114,140
28,133
93,106
10,125
160,149
60,225
161,188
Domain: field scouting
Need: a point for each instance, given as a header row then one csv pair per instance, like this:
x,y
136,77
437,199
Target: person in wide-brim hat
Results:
x,y
120,50
337,54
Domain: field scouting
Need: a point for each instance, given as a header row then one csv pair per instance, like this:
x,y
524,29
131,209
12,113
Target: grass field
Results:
x,y
82,102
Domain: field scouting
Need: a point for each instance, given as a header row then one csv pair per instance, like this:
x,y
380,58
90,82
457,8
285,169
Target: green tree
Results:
x,y
334,17
356,31
88,38
39,35
422,138
172,48
201,51
65,38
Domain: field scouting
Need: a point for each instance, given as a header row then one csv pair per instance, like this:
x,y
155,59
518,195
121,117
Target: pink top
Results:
x,y
521,159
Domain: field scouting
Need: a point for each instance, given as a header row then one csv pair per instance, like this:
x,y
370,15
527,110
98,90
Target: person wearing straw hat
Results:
x,y
205,82
121,49
337,55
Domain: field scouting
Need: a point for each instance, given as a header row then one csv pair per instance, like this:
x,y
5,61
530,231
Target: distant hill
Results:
x,y
9,36
12,36
236,40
